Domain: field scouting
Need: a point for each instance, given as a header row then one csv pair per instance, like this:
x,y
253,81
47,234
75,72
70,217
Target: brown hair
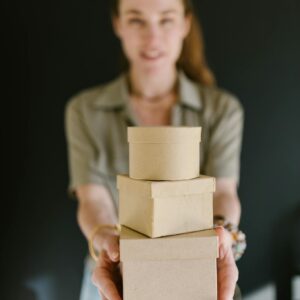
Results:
x,y
192,59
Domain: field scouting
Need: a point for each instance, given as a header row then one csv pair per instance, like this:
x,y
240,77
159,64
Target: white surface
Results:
x,y
265,293
296,288
268,292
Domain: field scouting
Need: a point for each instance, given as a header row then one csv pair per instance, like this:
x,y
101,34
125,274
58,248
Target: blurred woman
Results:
x,y
165,82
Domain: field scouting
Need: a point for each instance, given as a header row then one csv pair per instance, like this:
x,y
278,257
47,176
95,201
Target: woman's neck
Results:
x,y
152,86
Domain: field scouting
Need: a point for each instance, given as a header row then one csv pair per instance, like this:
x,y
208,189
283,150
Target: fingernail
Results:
x,y
115,255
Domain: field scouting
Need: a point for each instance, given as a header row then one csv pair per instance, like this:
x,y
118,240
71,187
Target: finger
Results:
x,y
227,270
103,277
102,297
121,269
111,246
227,278
105,284
118,279
225,240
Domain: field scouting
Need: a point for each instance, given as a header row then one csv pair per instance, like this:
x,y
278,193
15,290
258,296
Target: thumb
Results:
x,y
112,248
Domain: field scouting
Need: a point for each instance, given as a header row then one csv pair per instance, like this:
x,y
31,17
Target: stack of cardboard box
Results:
x,y
167,245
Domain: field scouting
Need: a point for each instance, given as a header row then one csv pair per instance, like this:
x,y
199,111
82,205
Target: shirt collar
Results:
x,y
189,92
116,95
113,95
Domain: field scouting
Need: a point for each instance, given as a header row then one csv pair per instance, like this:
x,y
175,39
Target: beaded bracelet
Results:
x,y
238,237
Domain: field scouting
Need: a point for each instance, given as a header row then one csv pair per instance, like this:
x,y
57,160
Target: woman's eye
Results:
x,y
166,21
135,21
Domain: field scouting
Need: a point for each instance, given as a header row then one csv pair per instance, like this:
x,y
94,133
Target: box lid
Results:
x,y
195,245
198,185
164,134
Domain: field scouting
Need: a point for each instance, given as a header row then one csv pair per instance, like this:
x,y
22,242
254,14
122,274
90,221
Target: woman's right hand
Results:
x,y
107,274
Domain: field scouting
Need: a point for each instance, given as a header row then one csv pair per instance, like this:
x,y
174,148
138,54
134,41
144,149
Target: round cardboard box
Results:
x,y
164,153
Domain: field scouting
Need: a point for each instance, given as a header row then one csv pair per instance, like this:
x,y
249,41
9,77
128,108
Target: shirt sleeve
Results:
x,y
82,151
224,145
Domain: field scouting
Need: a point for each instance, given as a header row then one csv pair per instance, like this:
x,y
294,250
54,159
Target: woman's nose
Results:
x,y
152,33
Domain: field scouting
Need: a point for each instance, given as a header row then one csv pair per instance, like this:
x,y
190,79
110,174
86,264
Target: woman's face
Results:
x,y
151,32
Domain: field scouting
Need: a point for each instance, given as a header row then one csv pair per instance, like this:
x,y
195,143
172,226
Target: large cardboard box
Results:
x,y
169,268
160,208
164,153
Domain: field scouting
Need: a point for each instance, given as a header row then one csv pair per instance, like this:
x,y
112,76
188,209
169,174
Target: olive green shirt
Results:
x,y
96,129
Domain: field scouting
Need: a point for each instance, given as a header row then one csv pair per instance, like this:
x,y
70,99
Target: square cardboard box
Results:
x,y
174,267
161,208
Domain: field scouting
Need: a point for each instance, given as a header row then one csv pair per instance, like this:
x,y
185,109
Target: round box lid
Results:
x,y
164,134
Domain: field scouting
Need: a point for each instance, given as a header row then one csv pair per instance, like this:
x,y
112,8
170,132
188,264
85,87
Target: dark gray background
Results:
x,y
55,48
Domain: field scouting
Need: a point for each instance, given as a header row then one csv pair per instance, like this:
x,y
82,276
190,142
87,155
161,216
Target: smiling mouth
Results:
x,y
151,56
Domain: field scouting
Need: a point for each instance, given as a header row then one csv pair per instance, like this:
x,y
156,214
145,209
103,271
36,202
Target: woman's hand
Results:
x,y
227,269
108,278
107,274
